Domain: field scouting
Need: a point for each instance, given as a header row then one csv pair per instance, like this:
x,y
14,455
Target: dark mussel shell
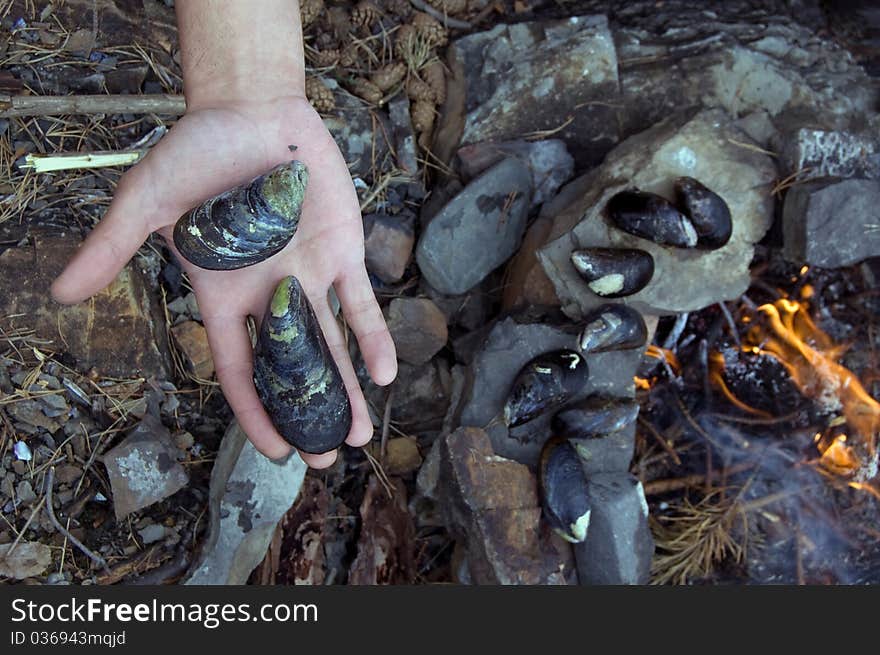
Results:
x,y
594,417
563,488
706,210
245,225
614,272
613,326
296,376
650,216
546,382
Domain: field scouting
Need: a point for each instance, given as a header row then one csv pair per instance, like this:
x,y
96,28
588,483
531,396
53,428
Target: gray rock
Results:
x,y
705,146
418,329
528,77
424,397
152,533
248,496
31,412
507,348
477,230
143,469
548,160
832,223
403,136
611,453
362,143
388,245
24,492
619,545
829,153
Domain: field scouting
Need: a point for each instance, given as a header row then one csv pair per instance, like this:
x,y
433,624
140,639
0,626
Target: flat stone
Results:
x,y
143,469
424,397
249,495
31,412
29,558
68,473
193,340
363,143
506,350
118,331
477,230
403,135
817,153
619,546
553,75
152,533
388,246
548,160
832,223
611,453
703,146
24,492
418,329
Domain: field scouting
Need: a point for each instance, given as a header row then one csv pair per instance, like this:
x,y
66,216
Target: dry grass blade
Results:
x,y
698,538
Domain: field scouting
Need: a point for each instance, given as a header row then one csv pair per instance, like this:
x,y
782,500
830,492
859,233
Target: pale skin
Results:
x,y
244,83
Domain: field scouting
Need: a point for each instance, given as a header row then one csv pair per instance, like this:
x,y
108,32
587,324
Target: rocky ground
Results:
x,y
485,140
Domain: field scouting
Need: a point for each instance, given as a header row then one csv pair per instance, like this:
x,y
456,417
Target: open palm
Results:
x,y
209,151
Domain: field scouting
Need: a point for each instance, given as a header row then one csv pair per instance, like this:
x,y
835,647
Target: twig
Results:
x,y
76,160
666,485
730,322
661,440
34,513
50,479
675,333
386,424
168,105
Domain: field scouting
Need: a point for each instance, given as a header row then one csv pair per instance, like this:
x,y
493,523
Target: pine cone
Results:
x,y
422,114
418,90
309,10
386,77
435,75
364,14
405,40
366,90
430,29
325,58
320,96
349,56
449,7
400,8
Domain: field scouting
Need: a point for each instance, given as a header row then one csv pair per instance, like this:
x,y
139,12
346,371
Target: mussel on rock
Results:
x,y
295,374
546,382
247,224
706,210
594,417
614,272
563,489
650,216
613,326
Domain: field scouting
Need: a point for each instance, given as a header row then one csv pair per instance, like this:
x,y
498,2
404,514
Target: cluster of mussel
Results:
x,y
294,372
699,218
549,383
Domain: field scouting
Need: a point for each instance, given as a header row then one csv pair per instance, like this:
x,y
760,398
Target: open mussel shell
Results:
x,y
546,382
614,272
594,417
613,326
247,224
706,210
650,216
295,374
563,489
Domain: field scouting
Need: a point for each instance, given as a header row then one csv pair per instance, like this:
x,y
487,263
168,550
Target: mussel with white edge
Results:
x,y
614,272
295,374
706,210
650,216
594,417
613,326
546,382
247,224
563,489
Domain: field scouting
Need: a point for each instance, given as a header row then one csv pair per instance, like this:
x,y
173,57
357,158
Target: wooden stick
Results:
x,y
168,105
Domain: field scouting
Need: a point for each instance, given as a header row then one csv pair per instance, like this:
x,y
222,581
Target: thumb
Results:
x,y
110,245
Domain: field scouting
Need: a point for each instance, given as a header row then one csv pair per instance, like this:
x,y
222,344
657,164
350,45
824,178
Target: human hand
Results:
x,y
215,146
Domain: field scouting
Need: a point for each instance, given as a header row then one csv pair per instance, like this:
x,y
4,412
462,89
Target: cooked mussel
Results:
x,y
650,216
546,382
245,225
295,374
613,326
594,417
614,273
706,210
563,488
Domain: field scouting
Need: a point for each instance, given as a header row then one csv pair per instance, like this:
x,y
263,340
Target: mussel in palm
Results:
x,y
706,210
245,225
546,382
295,374
650,216
613,326
614,273
563,488
594,417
